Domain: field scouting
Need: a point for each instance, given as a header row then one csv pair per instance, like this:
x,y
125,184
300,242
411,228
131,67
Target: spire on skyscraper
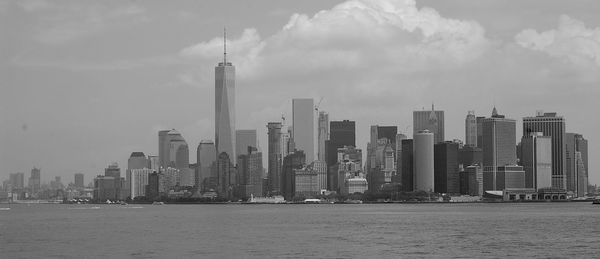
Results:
x,y
494,112
224,46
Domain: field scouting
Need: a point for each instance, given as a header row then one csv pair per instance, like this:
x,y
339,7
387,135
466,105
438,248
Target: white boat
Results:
x,y
158,203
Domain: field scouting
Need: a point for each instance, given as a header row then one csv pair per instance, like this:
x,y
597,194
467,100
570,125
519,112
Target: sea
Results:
x,y
465,230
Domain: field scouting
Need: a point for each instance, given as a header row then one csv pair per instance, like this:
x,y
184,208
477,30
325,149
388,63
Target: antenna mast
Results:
x,y
224,46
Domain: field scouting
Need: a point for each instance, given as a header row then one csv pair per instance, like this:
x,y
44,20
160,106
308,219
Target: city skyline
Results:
x,y
366,103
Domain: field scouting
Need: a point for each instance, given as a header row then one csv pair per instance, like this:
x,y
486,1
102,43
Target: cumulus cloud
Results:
x,y
571,40
354,34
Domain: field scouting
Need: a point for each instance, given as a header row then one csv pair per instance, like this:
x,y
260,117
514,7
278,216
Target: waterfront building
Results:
x,y
397,178
107,188
34,182
407,166
576,150
226,176
306,183
505,177
499,149
554,126
244,139
446,170
471,180
429,120
152,192
206,155
471,129
139,181
137,160
275,158
349,166
356,184
303,127
291,162
323,129
320,167
225,107
250,168
536,159
423,161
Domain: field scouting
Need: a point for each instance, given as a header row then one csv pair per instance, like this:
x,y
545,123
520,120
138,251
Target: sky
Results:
x,y
85,83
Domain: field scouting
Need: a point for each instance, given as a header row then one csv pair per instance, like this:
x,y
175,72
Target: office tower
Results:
x,y
56,184
398,177
471,129
470,155
554,126
152,189
169,178
179,154
306,183
226,176
430,120
382,141
576,149
287,142
274,157
499,149
446,172
250,170
348,166
225,107
79,180
320,168
139,180
163,148
471,180
107,188
35,181
407,169
291,162
206,156
303,126
113,170
323,135
536,159
479,122
244,139
137,160
386,132
341,133
153,162
505,177
423,161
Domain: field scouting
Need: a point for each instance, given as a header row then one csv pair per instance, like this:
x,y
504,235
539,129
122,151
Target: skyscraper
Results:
x,y
446,172
407,168
554,126
275,157
471,129
163,148
323,135
430,120
499,146
244,139
225,107
423,161
291,162
79,180
304,126
250,170
341,133
179,154
206,155
137,160
536,159
577,163
35,181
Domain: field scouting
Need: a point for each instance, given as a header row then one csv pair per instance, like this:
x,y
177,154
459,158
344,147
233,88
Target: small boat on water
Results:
x,y
158,203
596,201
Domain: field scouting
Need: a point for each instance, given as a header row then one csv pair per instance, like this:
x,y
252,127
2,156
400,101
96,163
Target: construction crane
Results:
x,y
318,104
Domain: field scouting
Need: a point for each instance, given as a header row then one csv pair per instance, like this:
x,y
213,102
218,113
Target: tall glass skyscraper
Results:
x,y
323,135
225,108
303,131
499,146
471,129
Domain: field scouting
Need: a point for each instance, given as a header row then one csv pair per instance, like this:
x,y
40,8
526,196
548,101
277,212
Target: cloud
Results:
x,y
571,41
